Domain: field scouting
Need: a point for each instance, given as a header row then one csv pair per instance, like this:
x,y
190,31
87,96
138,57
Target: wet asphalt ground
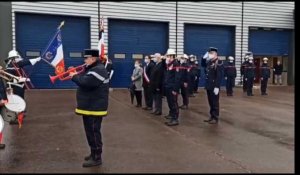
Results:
x,y
255,135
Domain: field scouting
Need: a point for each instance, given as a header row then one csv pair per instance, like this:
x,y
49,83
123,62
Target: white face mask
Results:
x,y
192,60
211,56
266,62
136,65
230,61
182,61
154,59
250,61
147,61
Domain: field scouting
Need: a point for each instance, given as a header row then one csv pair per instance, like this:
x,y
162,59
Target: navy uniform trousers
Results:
x,y
213,101
173,104
92,126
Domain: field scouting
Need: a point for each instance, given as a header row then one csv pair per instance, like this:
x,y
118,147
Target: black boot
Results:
x,y
168,117
214,121
91,162
88,157
172,123
14,122
2,146
209,120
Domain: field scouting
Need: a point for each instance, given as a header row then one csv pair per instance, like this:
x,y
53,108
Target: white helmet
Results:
x,y
171,52
185,56
13,54
265,59
230,58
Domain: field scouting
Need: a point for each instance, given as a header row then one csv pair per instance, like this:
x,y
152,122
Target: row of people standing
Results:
x,y
166,76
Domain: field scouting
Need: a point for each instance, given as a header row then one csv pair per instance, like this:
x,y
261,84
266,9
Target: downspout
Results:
x,y
176,23
242,36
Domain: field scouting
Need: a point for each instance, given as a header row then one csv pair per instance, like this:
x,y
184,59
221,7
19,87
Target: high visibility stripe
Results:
x,y
85,112
99,77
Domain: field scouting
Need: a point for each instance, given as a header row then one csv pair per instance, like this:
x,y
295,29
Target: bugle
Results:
x,y
8,76
66,75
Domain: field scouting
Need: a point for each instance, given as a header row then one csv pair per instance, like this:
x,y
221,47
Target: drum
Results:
x,y
14,106
1,124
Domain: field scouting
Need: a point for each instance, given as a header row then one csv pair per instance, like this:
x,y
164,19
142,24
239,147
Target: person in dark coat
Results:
x,y
278,68
156,83
172,85
197,76
250,76
3,101
92,103
191,73
230,74
243,65
184,82
264,76
148,67
213,82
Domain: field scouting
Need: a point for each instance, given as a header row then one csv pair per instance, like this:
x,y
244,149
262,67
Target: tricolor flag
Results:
x,y
54,54
101,39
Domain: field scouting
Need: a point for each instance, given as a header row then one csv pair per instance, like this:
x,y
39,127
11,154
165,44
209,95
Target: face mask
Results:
x,y
136,65
182,61
250,61
265,62
147,61
230,61
210,56
192,60
155,59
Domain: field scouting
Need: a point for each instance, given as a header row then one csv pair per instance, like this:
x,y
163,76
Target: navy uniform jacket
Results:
x,y
172,76
230,70
184,77
250,70
157,75
92,92
213,75
278,69
265,71
3,95
243,67
147,69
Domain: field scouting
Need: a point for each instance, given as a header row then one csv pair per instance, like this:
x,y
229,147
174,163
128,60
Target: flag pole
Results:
x,y
61,24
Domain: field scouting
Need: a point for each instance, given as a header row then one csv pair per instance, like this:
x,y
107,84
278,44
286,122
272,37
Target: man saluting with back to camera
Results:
x,y
92,102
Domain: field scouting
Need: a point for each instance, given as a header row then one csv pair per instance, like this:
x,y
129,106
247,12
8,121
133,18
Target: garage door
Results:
x,y
33,32
269,42
198,38
129,40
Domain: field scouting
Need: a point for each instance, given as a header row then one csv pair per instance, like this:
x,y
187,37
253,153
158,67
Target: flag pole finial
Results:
x,y
61,24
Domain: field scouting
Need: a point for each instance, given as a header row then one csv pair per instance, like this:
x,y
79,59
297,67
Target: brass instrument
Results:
x,y
9,77
65,75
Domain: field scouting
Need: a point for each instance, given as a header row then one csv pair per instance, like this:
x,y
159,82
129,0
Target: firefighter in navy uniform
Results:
x,y
92,102
14,64
213,81
172,85
197,78
264,76
246,58
230,75
192,75
184,82
250,75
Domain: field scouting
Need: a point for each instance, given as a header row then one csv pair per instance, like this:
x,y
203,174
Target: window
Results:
x,y
119,56
33,53
75,54
137,56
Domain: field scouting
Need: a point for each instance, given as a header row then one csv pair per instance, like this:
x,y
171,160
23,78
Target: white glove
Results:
x,y
34,61
225,78
21,80
216,91
274,70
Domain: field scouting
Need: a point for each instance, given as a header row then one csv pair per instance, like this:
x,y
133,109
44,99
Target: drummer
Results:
x,y
3,100
14,64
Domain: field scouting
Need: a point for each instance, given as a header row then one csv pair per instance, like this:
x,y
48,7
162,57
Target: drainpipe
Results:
x,y
98,18
242,35
176,24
